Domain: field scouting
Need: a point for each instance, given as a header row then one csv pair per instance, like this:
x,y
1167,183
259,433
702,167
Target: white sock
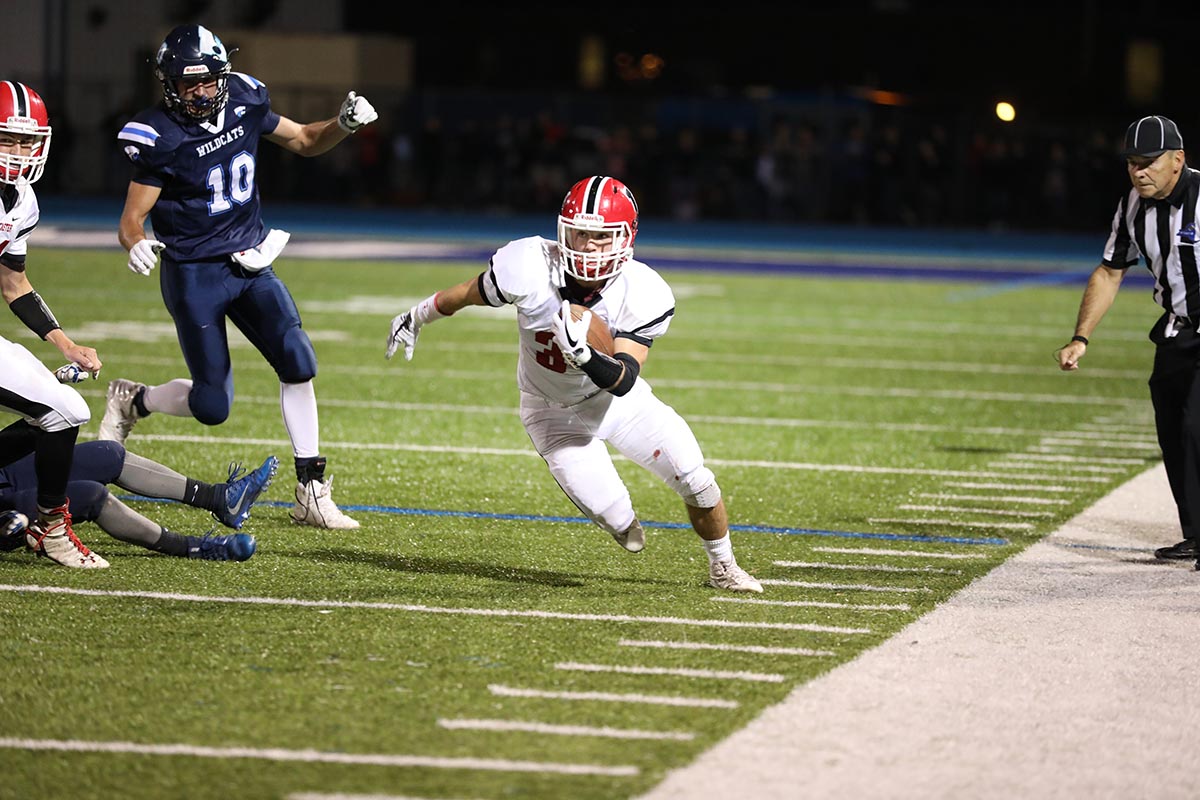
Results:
x,y
169,398
719,549
298,401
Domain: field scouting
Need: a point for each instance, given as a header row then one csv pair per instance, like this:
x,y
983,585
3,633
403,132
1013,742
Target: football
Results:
x,y
599,336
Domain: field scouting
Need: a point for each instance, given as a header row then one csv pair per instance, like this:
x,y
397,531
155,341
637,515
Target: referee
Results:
x,y
1157,221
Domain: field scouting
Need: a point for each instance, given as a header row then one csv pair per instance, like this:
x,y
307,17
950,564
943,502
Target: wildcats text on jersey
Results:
x,y
219,142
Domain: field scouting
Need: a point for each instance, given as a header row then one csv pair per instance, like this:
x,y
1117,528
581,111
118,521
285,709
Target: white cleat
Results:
x,y
56,540
728,575
315,507
119,414
632,538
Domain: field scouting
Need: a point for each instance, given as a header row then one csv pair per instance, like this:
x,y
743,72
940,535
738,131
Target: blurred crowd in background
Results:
x,y
842,163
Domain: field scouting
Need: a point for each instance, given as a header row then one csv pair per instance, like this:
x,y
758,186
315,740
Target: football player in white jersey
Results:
x,y
52,412
575,398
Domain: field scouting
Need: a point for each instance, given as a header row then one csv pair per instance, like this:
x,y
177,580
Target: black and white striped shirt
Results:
x,y
1164,232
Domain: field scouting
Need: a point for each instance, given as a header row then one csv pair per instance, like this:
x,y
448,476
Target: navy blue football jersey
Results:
x,y
209,205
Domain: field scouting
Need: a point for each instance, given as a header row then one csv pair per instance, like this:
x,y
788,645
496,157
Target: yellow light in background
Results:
x,y
1005,111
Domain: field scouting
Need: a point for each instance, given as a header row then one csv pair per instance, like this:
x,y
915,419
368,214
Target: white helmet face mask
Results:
x,y
598,206
22,114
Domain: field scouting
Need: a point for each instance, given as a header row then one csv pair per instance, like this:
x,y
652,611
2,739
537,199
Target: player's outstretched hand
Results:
x,y
143,256
356,112
404,332
571,335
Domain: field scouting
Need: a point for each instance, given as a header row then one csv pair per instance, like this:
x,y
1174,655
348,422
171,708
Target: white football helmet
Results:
x,y
23,114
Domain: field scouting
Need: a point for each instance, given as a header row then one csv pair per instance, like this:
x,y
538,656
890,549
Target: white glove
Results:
x,y
404,332
73,373
143,256
356,112
407,326
571,335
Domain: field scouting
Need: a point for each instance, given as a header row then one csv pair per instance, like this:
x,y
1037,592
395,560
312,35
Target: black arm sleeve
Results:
x,y
33,311
615,375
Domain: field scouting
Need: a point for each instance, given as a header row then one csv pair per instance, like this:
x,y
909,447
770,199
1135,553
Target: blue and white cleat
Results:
x,y
242,490
13,525
227,547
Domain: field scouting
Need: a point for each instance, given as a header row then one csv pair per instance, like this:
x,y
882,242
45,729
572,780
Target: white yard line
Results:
x,y
1045,501
561,730
1010,526
314,756
614,697
726,648
841,587
1009,487
757,601
678,672
1003,512
881,551
864,567
419,609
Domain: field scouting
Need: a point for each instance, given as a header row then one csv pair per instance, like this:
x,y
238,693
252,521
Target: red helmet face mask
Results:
x,y
596,228
25,127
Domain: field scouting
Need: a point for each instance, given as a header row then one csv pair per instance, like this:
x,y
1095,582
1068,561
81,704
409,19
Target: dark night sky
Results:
x,y
1054,58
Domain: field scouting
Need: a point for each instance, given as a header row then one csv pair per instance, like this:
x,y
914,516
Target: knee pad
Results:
x,y
209,404
70,411
299,360
699,488
100,461
87,499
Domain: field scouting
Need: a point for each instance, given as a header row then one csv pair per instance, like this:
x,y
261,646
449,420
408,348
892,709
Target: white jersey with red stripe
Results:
x,y
18,222
636,304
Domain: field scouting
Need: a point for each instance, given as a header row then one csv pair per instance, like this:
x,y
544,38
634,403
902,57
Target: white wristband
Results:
x,y
427,311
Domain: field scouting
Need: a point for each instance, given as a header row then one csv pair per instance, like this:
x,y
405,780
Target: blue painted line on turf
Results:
x,y
431,512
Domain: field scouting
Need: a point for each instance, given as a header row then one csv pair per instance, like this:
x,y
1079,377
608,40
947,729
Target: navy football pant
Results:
x,y
96,464
200,295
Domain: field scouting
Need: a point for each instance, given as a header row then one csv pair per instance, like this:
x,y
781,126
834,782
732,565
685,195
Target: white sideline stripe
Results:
x,y
1076,467
497,451
755,601
877,551
859,587
315,756
726,648
1009,526
419,609
863,567
611,697
1003,512
678,672
1071,458
1077,442
561,730
1045,501
1011,487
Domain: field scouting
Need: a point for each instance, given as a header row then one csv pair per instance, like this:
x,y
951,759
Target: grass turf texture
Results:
x,y
821,404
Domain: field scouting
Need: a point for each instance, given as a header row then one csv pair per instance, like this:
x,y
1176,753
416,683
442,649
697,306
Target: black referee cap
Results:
x,y
1151,137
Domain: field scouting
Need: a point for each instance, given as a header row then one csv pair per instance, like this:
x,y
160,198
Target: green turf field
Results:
x,y
883,443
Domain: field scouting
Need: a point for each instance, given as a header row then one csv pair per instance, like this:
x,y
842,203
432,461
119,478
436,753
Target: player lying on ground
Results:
x,y
99,463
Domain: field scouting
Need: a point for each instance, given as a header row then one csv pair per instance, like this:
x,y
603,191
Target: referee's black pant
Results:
x,y
1175,392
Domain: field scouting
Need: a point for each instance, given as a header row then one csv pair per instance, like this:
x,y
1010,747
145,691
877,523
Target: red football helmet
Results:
x,y
23,114
597,204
